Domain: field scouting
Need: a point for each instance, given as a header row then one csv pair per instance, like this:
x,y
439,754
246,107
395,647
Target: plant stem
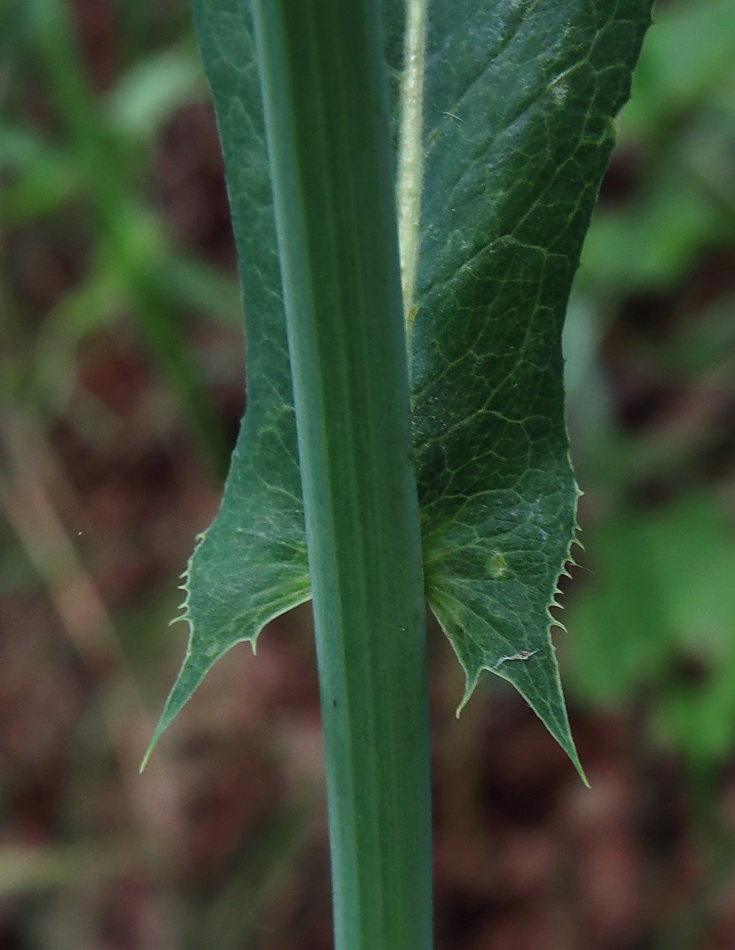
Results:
x,y
322,72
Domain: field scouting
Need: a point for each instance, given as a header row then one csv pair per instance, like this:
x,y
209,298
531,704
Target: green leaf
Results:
x,y
501,166
250,565
519,112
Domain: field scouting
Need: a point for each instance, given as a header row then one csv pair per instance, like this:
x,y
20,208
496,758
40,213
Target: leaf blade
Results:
x,y
519,110
250,565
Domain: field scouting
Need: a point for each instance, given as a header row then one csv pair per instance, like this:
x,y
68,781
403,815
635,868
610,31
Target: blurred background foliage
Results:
x,y
651,374
120,393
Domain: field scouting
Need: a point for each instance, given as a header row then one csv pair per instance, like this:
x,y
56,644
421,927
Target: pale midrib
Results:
x,y
410,150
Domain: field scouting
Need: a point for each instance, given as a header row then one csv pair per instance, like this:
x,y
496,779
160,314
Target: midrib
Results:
x,y
410,150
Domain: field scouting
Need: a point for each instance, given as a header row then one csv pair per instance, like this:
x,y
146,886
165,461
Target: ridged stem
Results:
x,y
323,77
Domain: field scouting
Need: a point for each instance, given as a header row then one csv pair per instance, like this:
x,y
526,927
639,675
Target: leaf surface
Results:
x,y
250,565
519,110
519,99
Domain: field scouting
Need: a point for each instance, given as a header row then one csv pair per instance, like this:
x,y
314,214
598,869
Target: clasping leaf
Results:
x,y
504,122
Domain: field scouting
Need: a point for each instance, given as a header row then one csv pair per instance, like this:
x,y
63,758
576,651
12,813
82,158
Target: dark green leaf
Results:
x,y
518,118
250,565
519,112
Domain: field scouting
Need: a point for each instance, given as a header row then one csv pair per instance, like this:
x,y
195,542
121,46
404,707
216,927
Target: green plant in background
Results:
x,y
503,120
679,209
94,160
652,627
681,122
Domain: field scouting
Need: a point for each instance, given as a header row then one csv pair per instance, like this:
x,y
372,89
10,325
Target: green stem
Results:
x,y
323,78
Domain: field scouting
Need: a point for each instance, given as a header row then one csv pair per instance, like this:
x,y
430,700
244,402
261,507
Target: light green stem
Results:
x,y
322,73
